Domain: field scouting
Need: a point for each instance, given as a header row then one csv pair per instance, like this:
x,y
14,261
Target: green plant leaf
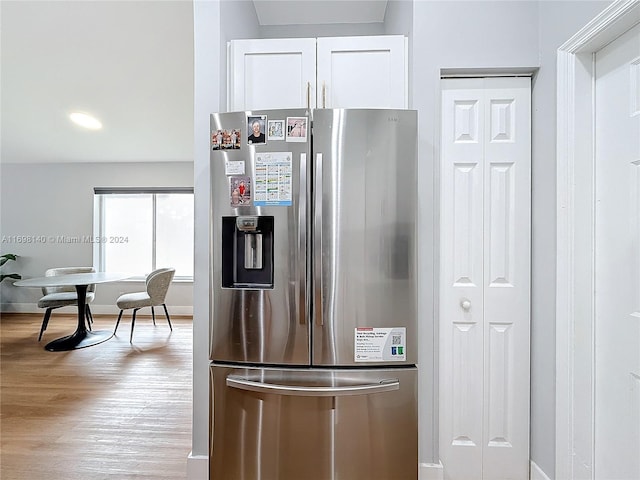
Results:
x,y
6,257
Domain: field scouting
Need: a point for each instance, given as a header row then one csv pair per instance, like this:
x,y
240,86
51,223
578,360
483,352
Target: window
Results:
x,y
140,229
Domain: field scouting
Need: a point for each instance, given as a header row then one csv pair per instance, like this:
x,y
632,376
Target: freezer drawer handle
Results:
x,y
387,385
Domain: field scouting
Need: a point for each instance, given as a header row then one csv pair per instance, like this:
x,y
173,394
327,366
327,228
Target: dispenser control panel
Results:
x,y
247,223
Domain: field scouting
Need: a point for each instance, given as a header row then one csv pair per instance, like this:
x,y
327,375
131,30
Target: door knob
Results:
x,y
465,304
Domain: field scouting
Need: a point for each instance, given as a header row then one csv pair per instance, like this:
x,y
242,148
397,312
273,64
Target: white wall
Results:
x,y
398,18
51,200
239,21
208,85
215,23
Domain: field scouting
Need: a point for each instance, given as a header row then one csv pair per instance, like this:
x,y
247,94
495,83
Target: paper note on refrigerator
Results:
x,y
380,344
273,179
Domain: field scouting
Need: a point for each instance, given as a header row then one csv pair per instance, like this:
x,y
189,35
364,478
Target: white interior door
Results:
x,y
617,260
485,278
362,72
272,73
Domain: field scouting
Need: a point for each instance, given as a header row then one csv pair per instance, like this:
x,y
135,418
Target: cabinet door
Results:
x,y
272,73
362,72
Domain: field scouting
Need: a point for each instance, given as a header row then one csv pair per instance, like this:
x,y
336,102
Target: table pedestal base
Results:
x,y
79,339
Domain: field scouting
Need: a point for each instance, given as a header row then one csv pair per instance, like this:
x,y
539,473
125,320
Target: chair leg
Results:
x,y
167,314
118,322
89,314
45,322
153,315
133,324
87,317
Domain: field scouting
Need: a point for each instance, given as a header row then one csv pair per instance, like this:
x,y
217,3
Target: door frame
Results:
x,y
575,254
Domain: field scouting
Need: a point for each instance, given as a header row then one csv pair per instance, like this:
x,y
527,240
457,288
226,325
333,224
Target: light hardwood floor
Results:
x,y
112,411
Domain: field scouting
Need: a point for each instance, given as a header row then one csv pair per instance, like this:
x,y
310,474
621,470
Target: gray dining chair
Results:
x,y
157,283
56,297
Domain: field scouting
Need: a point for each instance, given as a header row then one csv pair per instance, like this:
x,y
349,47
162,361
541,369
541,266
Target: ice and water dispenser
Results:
x,y
247,252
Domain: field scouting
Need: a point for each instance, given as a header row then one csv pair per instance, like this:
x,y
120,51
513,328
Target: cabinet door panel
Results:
x,y
272,73
362,72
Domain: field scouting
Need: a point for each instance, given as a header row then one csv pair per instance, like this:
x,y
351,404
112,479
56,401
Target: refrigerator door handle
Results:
x,y
302,244
317,284
242,383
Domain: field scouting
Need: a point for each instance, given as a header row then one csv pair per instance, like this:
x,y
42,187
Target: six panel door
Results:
x,y
485,278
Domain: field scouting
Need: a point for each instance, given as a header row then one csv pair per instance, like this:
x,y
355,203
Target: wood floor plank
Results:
x,y
114,410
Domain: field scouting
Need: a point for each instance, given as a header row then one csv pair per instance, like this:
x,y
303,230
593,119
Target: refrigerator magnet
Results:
x,y
275,130
240,191
216,139
234,167
297,129
225,139
256,126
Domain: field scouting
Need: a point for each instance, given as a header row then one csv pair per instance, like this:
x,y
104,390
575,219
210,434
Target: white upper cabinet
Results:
x,y
362,72
272,73
329,72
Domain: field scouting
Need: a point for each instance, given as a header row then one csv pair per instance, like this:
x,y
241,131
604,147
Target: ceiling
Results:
x,y
129,63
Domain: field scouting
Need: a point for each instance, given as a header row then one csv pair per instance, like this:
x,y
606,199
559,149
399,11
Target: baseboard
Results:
x,y
536,473
197,467
435,471
96,309
430,471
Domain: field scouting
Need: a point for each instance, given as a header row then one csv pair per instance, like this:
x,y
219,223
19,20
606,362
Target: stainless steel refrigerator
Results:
x,y
313,343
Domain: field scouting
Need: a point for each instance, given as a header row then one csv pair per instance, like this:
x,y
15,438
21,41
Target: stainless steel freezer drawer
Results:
x,y
292,424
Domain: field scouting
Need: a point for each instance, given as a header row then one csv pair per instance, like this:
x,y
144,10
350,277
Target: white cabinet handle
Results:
x,y
308,94
324,95
465,304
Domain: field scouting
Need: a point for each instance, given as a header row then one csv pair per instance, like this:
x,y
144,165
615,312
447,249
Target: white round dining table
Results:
x,y
81,337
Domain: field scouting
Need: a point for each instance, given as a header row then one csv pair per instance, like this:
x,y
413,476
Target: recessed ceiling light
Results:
x,y
86,121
